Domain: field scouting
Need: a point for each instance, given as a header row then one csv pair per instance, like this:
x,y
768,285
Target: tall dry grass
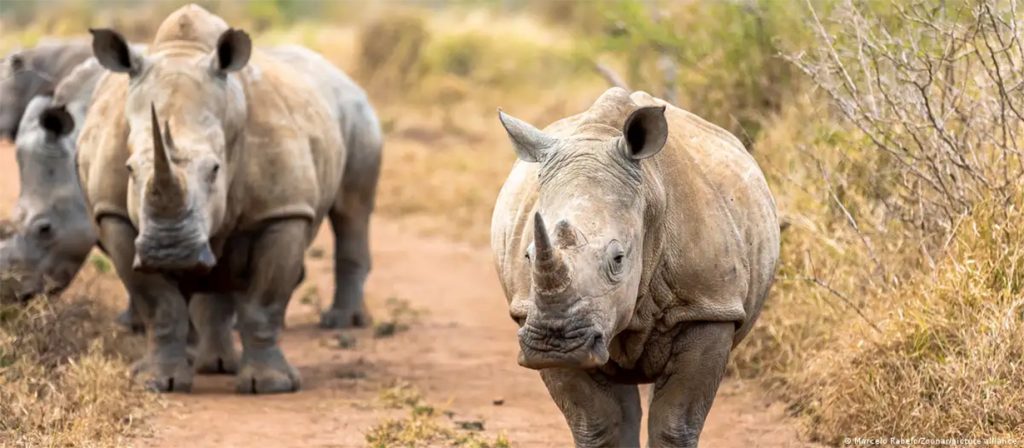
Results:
x,y
947,359
898,307
64,367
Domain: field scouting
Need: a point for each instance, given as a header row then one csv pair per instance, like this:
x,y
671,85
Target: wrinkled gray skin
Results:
x,y
635,243
32,72
363,140
54,231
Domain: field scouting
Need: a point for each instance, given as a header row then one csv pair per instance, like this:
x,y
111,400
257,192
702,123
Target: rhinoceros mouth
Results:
x,y
582,347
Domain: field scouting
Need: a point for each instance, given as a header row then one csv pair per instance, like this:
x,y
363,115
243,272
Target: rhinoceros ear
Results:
x,y
56,121
233,50
114,53
645,132
529,142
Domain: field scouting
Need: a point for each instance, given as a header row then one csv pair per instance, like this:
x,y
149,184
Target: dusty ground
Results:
x,y
460,352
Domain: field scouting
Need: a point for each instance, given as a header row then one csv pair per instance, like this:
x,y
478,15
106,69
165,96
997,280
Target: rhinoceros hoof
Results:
x,y
344,318
163,376
267,378
216,362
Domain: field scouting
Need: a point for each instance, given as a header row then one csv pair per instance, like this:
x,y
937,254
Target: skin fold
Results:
x,y
635,243
208,165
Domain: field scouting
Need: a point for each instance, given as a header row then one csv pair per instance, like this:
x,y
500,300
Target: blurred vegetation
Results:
x,y
720,60
64,377
877,325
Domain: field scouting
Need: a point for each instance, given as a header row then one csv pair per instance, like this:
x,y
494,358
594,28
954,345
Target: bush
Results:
x,y
899,307
947,359
391,48
720,60
938,91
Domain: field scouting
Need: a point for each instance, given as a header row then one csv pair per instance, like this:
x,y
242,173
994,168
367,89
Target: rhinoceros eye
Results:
x,y
616,256
44,230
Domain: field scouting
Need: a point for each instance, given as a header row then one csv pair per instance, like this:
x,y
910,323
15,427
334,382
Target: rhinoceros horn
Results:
x,y
166,195
550,272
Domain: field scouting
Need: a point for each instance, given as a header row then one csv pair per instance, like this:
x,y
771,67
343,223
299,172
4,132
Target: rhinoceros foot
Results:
x,y
164,375
216,359
345,318
266,372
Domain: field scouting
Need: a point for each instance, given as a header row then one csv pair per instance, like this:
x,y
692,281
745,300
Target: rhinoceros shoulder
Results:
x,y
102,152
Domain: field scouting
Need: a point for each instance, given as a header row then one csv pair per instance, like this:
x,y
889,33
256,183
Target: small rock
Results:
x,y
384,329
346,341
498,401
471,425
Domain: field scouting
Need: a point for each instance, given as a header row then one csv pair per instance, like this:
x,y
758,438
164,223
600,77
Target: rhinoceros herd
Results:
x,y
635,242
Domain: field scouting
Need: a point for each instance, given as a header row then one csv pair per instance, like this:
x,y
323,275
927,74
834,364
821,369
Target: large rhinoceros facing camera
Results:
x,y
209,165
636,244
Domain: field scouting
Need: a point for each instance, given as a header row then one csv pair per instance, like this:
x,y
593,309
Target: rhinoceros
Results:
x,y
53,229
635,243
208,169
33,72
363,140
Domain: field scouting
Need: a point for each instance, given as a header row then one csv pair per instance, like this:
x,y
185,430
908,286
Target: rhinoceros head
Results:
x,y
19,83
53,231
183,109
586,267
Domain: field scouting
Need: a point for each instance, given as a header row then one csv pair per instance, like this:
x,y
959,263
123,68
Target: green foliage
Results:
x,y
721,60
101,263
500,62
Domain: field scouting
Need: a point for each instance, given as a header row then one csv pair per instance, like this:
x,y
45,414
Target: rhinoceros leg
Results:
x,y
683,395
162,309
351,224
599,413
129,319
215,350
276,261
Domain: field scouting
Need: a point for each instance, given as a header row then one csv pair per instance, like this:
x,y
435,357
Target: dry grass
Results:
x,y
909,344
869,331
948,358
423,426
64,377
876,328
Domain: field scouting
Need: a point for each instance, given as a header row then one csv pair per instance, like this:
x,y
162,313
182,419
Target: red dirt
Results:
x,y
460,352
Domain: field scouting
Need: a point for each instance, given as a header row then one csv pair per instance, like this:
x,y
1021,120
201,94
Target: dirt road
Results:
x,y
459,351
